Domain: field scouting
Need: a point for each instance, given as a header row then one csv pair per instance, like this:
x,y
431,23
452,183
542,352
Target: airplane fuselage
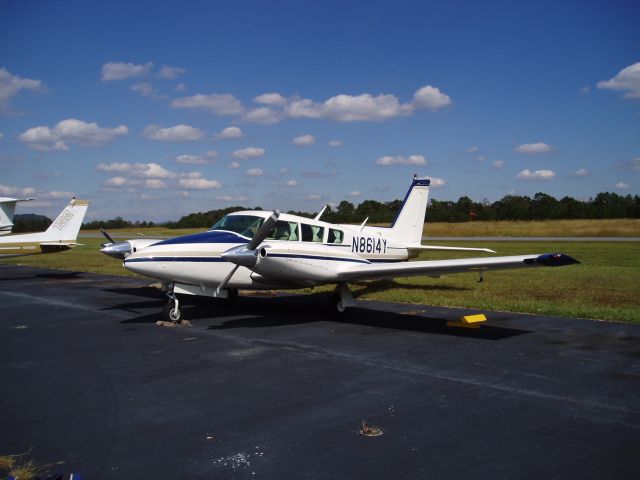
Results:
x,y
310,251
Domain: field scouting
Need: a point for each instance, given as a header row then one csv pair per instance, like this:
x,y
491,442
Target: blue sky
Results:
x,y
152,110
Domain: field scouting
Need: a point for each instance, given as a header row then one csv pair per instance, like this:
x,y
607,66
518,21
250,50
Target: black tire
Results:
x,y
171,314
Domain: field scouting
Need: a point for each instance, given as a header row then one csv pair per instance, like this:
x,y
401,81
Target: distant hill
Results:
x,y
30,222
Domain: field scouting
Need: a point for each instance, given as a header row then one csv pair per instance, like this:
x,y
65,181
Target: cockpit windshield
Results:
x,y
245,225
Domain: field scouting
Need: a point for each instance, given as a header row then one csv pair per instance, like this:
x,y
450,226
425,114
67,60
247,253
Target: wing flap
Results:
x,y
440,267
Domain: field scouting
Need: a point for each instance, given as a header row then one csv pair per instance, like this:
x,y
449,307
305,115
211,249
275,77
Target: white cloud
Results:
x,y
181,87
287,184
233,165
197,159
115,182
431,97
177,133
335,143
270,99
9,190
537,175
229,132
531,149
138,170
496,164
56,194
199,184
355,193
633,165
621,186
472,149
304,140
11,85
581,172
585,90
264,115
349,108
155,183
232,198
254,172
315,197
122,71
275,107
249,152
69,131
146,90
387,161
219,104
171,72
1,135
627,80
437,182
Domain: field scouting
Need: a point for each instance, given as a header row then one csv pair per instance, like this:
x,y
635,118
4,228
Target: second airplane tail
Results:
x,y
66,226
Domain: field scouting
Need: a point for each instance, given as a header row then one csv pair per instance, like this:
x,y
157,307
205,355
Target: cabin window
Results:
x,y
245,225
284,231
312,233
335,236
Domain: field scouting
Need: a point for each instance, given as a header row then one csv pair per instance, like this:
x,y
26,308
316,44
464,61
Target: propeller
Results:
x,y
107,236
247,255
114,249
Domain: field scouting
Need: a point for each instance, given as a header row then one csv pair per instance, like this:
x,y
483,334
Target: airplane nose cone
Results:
x,y
118,250
241,256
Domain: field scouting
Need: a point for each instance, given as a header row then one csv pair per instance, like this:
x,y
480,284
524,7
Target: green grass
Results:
x,y
622,227
604,286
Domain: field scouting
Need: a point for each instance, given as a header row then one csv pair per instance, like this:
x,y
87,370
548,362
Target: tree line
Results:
x,y
511,207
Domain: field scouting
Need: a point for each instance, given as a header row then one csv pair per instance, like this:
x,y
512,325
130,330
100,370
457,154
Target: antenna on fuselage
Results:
x,y
364,223
317,217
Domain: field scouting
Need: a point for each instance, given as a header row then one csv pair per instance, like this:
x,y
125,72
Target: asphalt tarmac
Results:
x,y
277,387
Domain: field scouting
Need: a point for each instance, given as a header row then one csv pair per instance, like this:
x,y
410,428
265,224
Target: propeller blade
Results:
x,y
246,255
106,235
264,231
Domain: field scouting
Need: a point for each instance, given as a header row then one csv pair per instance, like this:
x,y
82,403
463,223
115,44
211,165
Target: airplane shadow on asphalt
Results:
x,y
264,311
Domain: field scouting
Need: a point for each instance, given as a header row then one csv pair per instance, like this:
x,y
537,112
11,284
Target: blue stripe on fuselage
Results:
x,y
174,259
212,236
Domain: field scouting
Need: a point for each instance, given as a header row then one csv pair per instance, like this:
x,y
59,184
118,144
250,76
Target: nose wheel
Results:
x,y
171,313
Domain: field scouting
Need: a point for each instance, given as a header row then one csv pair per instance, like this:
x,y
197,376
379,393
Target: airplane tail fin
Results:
x,y
66,226
7,209
409,222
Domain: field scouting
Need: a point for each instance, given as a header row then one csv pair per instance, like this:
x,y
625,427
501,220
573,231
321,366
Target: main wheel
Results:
x,y
171,313
335,303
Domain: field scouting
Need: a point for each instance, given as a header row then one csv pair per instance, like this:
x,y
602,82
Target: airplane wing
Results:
x,y
440,267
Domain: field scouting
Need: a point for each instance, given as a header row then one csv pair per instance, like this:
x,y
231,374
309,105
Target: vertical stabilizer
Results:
x,y
409,222
66,226
7,210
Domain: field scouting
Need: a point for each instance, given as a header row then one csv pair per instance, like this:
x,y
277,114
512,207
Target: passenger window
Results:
x,y
285,231
312,233
335,236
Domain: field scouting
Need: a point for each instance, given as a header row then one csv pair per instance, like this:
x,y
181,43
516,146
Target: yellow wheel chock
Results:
x,y
469,321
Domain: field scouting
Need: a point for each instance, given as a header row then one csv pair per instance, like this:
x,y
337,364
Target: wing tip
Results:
x,y
555,260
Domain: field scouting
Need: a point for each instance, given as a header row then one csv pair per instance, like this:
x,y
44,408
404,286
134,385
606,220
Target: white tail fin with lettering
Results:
x,y
409,222
66,226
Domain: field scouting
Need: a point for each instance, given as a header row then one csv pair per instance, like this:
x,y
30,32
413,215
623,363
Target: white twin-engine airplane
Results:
x,y
272,250
60,236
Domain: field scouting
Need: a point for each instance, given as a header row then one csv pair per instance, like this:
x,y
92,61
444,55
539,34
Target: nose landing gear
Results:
x,y
171,314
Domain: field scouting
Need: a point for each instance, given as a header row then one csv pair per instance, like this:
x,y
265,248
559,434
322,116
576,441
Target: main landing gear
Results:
x,y
342,298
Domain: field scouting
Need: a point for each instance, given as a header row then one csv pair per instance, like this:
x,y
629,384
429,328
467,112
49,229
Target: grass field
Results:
x,y
606,285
